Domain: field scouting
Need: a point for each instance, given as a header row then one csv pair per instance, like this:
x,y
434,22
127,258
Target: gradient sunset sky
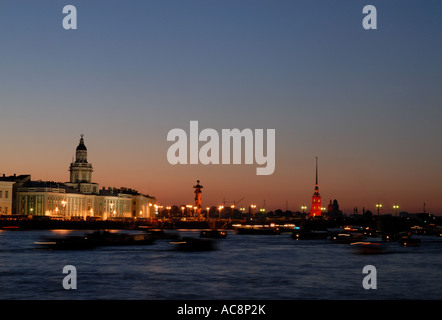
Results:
x,y
368,104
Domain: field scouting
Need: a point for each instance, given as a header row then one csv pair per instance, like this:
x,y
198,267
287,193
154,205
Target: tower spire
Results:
x,y
315,210
316,170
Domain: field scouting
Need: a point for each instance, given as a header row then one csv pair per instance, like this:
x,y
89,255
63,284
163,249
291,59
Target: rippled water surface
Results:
x,y
243,267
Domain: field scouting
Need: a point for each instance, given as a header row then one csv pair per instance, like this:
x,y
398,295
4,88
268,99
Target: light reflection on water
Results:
x,y
243,267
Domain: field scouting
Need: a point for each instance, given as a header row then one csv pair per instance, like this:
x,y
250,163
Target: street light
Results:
x,y
242,209
303,208
252,208
189,207
378,205
219,211
111,209
63,203
395,206
208,213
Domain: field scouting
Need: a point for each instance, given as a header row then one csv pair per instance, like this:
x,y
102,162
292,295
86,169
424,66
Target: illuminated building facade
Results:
x,y
6,196
315,210
8,192
80,198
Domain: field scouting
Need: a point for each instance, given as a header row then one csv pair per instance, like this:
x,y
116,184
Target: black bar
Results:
x,y
219,309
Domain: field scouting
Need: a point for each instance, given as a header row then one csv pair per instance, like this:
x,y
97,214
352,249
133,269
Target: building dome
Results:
x,y
81,146
81,170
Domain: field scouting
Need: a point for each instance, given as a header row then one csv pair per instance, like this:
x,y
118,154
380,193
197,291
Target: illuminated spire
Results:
x,y
315,210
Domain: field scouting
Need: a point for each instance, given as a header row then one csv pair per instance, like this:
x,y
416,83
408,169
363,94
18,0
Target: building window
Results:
x,y
1,194
6,194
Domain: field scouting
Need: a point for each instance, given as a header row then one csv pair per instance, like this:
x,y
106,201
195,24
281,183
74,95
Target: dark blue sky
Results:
x,y
367,103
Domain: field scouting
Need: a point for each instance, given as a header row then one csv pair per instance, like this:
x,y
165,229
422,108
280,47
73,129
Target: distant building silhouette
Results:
x,y
333,210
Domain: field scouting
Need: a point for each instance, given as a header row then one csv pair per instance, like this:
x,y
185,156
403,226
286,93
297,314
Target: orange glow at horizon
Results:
x,y
352,183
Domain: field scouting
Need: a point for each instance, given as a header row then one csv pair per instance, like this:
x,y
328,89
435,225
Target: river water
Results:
x,y
247,267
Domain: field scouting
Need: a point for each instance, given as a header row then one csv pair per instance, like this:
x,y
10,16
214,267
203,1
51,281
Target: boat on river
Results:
x,y
408,241
66,243
310,234
214,234
106,238
160,234
369,247
347,237
260,230
95,239
194,244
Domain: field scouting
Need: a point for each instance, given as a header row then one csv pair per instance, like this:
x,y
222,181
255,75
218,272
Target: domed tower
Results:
x,y
81,170
315,210
81,151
